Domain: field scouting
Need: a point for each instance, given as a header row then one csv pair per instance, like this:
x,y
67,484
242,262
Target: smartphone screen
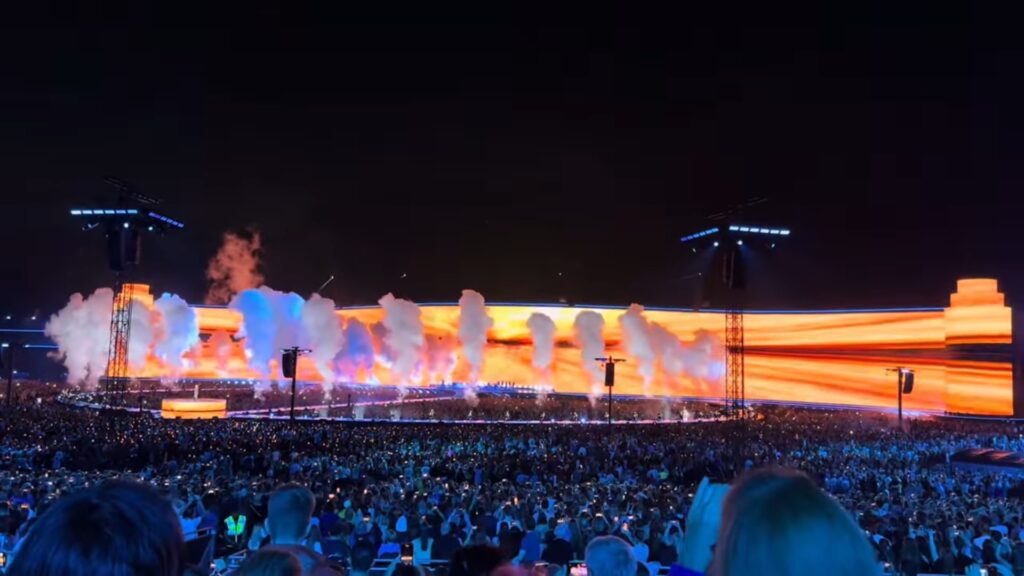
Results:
x,y
580,570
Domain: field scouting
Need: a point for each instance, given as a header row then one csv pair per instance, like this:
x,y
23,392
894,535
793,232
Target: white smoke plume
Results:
x,y
141,335
636,331
357,353
81,331
324,336
179,330
235,267
470,396
704,359
222,345
404,337
542,332
671,351
473,326
271,320
588,328
441,358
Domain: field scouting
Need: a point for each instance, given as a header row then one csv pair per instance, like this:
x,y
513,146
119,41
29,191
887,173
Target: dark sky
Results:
x,y
493,150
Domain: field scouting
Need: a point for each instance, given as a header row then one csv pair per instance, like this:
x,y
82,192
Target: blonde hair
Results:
x,y
776,522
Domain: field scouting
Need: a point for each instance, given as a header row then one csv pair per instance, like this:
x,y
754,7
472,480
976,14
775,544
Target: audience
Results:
x,y
507,495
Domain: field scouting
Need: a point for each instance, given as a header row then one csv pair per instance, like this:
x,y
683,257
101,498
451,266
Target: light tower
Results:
x,y
124,221
732,241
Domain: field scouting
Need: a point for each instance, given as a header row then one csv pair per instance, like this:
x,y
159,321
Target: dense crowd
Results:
x,y
537,494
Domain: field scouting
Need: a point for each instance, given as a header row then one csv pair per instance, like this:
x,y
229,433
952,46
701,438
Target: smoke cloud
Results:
x,y
222,345
357,353
179,330
670,350
440,358
404,337
702,361
81,331
542,332
473,326
324,335
705,361
637,333
235,267
141,334
271,320
588,328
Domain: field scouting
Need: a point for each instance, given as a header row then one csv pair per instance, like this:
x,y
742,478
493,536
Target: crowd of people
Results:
x,y
321,496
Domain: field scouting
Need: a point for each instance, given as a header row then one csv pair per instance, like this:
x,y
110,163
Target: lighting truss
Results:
x,y
758,230
700,234
146,216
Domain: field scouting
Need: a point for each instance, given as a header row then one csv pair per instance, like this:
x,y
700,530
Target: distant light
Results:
x,y
694,250
744,229
739,242
773,245
716,244
5,345
734,228
7,317
125,224
76,212
33,318
150,228
784,232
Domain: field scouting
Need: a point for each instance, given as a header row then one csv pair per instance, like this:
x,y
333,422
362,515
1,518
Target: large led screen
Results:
x,y
960,353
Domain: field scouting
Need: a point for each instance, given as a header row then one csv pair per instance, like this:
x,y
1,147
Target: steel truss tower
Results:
x,y
120,333
735,385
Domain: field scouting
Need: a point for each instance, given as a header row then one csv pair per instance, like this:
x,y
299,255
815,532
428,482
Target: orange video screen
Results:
x,y
960,353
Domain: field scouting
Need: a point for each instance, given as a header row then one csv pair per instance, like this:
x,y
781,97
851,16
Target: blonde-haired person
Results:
x,y
776,522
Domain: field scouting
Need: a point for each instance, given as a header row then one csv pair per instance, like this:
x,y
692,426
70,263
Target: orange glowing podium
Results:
x,y
194,408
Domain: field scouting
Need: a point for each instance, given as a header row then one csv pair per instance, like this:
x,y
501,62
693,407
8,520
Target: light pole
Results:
x,y
289,362
609,378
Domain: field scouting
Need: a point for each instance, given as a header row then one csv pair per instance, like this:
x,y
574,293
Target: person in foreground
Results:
x,y
100,531
289,514
610,556
776,522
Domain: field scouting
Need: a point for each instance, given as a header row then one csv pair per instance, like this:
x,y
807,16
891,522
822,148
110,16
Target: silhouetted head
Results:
x,y
289,511
610,556
776,522
118,528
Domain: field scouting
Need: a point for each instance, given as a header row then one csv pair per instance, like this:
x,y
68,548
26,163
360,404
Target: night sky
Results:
x,y
496,150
